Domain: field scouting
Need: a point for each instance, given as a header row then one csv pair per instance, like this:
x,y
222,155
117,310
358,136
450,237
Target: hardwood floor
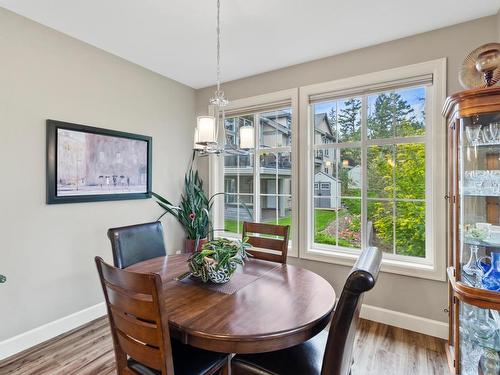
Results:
x,y
380,350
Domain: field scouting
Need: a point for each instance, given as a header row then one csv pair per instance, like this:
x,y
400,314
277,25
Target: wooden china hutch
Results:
x,y
473,195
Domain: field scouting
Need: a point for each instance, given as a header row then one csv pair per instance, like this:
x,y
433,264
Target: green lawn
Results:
x,y
232,225
322,219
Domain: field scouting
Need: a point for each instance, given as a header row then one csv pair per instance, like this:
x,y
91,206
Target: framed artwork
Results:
x,y
88,164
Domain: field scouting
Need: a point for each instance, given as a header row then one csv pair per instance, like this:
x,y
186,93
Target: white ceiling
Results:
x,y
176,38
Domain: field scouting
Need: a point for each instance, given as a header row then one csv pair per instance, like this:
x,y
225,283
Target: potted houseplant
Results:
x,y
193,212
218,259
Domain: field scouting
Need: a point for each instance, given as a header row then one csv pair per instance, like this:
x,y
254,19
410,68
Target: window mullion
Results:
x,y
364,172
238,202
337,162
394,212
256,169
276,187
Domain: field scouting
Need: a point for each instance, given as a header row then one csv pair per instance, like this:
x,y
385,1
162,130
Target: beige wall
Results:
x,y
46,251
415,296
498,26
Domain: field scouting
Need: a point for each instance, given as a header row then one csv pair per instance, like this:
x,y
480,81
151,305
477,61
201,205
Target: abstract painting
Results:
x,y
87,164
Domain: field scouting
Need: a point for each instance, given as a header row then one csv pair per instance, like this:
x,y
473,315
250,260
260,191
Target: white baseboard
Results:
x,y
410,322
50,330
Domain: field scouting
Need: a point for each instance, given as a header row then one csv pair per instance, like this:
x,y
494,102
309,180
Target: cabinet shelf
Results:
x,y
483,298
492,195
484,144
482,243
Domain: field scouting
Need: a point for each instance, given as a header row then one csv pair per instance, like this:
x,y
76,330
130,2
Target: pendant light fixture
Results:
x,y
206,135
247,135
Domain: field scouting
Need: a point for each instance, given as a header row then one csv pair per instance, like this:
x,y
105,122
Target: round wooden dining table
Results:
x,y
266,306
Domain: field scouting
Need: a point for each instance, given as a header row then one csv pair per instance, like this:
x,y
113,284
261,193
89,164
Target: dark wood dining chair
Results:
x,y
140,330
135,243
326,353
268,237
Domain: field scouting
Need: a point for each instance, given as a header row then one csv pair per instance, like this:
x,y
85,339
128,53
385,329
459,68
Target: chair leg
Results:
x,y
226,368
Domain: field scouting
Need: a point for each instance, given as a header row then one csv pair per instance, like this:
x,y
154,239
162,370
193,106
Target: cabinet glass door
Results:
x,y
479,198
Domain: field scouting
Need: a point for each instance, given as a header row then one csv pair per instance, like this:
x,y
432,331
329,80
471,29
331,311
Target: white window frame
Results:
x,y
434,265
216,163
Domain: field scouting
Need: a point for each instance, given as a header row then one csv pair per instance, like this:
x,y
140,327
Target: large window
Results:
x,y
349,163
380,136
258,182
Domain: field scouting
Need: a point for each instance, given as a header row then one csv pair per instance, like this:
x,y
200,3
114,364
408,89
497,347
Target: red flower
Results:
x,y
192,216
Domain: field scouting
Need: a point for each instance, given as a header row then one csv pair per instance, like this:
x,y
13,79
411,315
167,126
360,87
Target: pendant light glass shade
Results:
x,y
196,145
206,130
247,135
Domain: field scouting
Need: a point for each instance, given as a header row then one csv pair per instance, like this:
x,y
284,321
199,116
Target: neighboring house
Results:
x,y
326,191
354,175
275,170
326,186
324,160
323,129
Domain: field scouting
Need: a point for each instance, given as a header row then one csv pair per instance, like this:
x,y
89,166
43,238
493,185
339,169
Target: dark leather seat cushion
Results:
x,y
188,360
304,359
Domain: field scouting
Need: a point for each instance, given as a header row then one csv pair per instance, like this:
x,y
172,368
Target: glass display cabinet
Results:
x,y
473,195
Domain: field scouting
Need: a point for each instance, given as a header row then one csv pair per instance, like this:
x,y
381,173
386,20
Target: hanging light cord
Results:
x,y
218,46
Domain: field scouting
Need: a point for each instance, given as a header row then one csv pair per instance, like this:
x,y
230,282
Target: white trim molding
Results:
x,y
26,340
410,322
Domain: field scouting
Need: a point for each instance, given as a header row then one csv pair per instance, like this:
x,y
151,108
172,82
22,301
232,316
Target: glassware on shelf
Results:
x,y
479,330
470,352
483,327
475,233
473,134
471,268
491,277
481,182
489,363
493,128
478,135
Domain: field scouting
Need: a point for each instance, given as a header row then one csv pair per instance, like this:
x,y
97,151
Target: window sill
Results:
x,y
399,267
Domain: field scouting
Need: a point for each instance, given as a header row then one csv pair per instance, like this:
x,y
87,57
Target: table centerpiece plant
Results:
x,y
218,259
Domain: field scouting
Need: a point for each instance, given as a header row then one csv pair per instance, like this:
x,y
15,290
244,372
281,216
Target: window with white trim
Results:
x,y
379,136
258,182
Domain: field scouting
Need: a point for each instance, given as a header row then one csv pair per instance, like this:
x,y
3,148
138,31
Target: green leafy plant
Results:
x,y
193,212
2,279
220,255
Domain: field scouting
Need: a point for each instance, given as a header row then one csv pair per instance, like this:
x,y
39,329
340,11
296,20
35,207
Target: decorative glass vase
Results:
x,y
491,277
471,268
482,326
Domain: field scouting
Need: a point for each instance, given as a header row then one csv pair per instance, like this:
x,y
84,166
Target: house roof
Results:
x,y
323,174
319,118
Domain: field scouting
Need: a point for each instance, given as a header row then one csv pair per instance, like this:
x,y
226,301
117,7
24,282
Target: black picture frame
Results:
x,y
52,160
